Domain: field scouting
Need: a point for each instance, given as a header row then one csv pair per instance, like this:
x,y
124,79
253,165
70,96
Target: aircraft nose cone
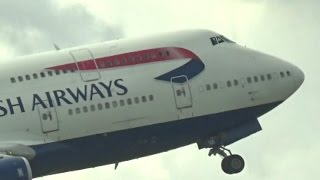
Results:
x,y
299,76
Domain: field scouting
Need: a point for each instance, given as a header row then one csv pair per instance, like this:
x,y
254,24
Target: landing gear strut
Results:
x,y
232,163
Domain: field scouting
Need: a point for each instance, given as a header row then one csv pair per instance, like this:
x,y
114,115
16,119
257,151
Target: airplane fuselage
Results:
x,y
120,100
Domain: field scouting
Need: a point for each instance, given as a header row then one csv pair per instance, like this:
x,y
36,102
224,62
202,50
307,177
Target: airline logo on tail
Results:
x,y
190,69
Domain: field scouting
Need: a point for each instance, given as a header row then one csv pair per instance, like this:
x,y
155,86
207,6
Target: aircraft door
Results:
x,y
86,64
183,96
48,118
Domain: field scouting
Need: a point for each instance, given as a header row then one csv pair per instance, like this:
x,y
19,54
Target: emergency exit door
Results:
x,y
182,96
86,64
48,117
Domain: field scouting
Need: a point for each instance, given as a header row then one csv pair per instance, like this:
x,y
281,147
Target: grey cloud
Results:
x,y
32,26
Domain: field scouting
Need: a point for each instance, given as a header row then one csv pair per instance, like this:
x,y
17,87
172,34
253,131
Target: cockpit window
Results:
x,y
219,39
213,40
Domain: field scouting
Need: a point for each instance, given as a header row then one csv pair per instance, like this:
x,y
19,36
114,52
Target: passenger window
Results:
x,y
109,64
57,72
249,80
282,74
13,80
144,99
208,86
151,97
215,86
121,102
107,105
129,101
116,62
269,76
136,100
64,72
146,57
288,73
262,78
235,82
70,112
100,106
114,104
124,61
35,76
42,74
85,109
77,110
160,54
131,59
28,77
50,73
229,83
213,40
92,107
20,78
256,79
168,53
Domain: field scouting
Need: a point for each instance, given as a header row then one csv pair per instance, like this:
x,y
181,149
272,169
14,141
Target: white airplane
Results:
x,y
111,102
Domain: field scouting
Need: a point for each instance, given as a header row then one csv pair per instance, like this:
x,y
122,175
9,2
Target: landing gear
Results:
x,y
232,163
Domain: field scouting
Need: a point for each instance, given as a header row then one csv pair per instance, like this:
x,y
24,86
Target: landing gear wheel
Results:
x,y
232,164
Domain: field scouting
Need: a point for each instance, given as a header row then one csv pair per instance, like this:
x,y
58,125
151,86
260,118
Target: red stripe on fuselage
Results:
x,y
130,59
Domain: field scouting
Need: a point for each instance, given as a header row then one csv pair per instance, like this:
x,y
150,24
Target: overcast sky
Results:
x,y
289,145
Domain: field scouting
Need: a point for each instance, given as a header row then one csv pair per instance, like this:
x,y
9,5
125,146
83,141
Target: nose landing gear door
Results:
x,y
182,96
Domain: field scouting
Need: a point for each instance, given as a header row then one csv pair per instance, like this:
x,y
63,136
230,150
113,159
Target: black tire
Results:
x,y
232,164
225,165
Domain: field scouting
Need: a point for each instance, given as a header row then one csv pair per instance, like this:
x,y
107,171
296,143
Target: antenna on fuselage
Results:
x,y
56,47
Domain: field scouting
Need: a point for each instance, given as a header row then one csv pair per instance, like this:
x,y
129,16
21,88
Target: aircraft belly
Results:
x,y
109,148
